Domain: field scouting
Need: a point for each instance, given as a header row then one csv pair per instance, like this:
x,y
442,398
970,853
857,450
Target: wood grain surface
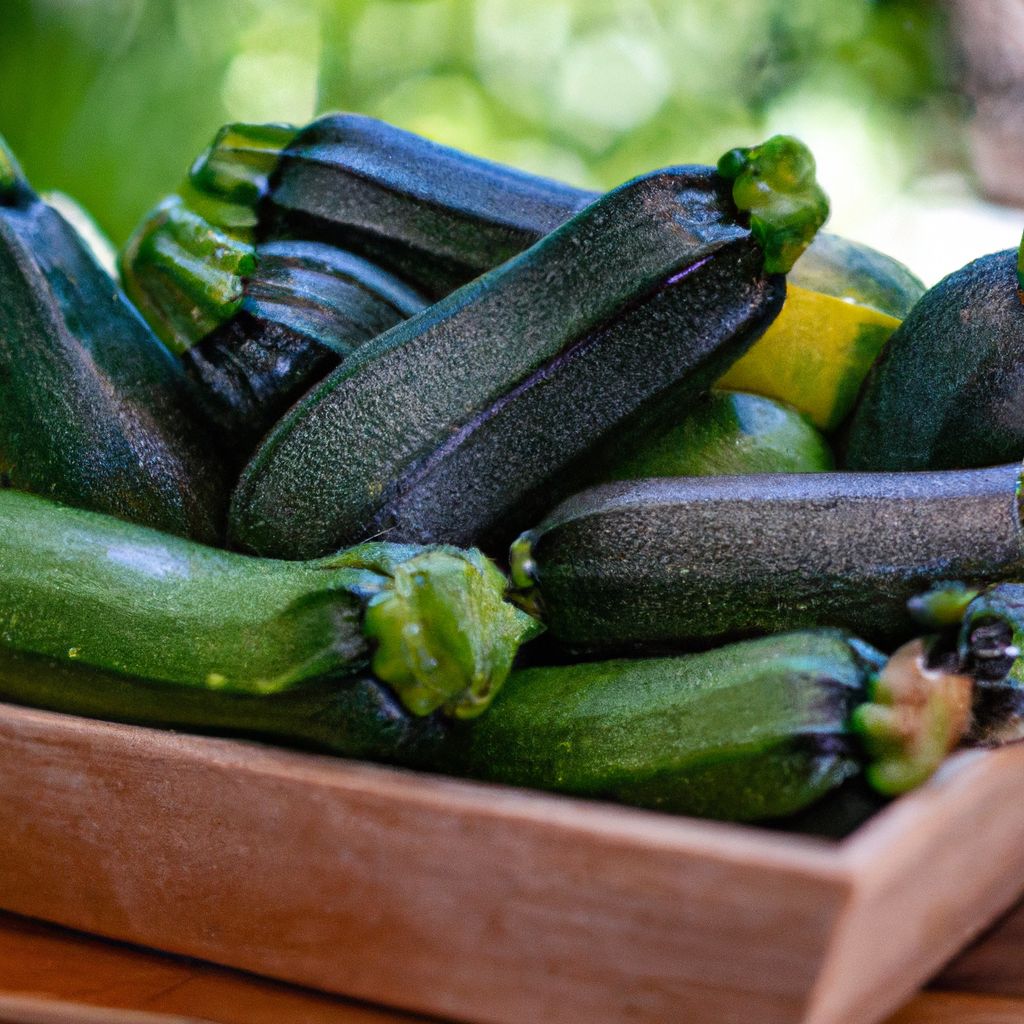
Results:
x,y
52,976
481,903
994,964
48,963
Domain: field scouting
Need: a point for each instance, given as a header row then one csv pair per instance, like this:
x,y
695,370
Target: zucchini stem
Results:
x,y
184,274
916,715
86,588
775,182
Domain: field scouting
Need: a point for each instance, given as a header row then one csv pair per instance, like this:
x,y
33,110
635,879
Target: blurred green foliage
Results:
x,y
109,100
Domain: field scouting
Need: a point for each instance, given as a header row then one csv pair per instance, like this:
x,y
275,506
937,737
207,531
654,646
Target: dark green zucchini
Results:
x,y
96,412
433,215
945,392
468,420
353,715
755,730
255,327
439,218
89,589
693,561
991,647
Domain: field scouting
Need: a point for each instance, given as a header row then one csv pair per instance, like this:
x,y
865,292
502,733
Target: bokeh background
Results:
x,y
110,100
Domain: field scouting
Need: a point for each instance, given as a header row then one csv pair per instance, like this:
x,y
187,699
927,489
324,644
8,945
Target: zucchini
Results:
x,y
434,216
990,644
96,412
353,715
856,273
754,730
88,589
440,218
693,561
945,392
728,433
255,327
466,421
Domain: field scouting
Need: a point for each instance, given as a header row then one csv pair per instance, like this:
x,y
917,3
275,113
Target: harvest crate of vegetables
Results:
x,y
659,498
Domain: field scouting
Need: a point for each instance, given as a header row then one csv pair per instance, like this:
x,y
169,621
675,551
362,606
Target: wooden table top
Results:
x,y
52,976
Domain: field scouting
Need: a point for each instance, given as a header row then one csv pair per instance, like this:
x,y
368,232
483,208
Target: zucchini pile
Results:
x,y
266,483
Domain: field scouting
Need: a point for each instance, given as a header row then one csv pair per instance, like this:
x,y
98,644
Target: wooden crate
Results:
x,y
482,903
995,963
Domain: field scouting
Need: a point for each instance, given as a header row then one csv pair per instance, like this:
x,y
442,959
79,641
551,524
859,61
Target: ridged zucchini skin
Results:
x,y
945,392
96,412
752,730
693,561
305,308
254,326
470,419
434,216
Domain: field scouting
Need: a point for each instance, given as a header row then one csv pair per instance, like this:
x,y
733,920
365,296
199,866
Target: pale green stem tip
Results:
x,y
446,635
185,275
775,182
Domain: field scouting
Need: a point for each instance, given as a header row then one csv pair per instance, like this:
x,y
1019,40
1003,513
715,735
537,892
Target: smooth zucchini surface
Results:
x,y
349,715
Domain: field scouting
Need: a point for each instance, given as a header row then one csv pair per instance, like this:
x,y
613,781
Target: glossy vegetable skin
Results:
x,y
727,433
96,412
353,715
695,561
91,590
255,326
465,422
305,309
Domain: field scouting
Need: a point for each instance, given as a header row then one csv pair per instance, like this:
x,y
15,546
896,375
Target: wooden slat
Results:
x,y
439,896
995,963
51,963
957,1008
18,1009
932,873
487,904
70,978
